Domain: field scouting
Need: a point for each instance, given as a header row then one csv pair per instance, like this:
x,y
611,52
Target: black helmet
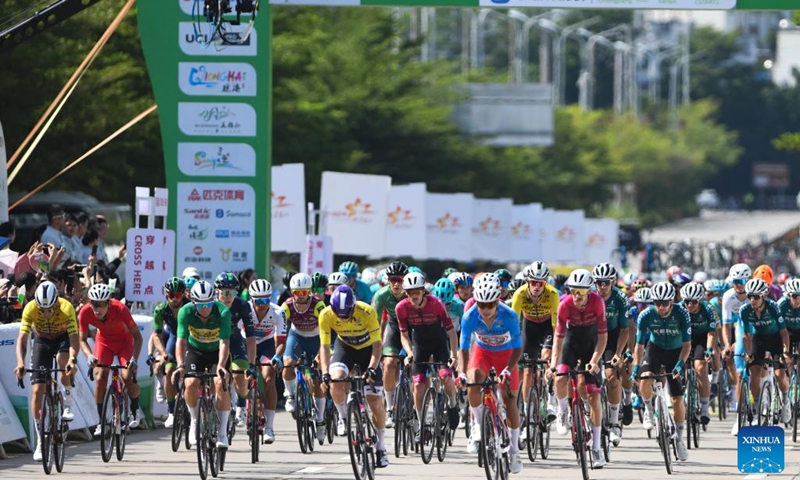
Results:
x,y
287,277
396,268
319,280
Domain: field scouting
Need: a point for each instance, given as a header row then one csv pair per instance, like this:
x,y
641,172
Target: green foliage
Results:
x,y
788,141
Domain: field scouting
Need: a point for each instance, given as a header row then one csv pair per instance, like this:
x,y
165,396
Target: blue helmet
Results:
x,y
350,269
444,290
463,279
343,301
189,281
226,280
413,269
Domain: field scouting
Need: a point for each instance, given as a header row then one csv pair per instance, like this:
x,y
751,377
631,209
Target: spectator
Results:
x,y
82,221
102,231
26,283
8,231
71,242
246,277
89,240
55,221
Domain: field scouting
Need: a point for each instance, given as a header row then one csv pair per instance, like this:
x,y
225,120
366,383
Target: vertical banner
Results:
x,y
354,212
526,242
214,107
406,230
568,226
3,179
449,220
288,208
547,235
150,263
491,229
601,237
318,254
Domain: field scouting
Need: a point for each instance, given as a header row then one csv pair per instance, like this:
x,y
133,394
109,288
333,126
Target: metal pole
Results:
x,y
673,95
559,57
685,89
431,33
619,66
465,42
473,40
425,51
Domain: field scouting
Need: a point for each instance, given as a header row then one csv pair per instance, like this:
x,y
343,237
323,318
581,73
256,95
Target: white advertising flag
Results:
x,y
449,220
354,212
601,239
216,227
568,226
288,229
547,235
406,230
491,229
150,263
526,242
317,255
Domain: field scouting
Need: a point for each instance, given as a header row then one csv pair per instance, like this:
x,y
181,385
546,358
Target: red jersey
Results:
x,y
594,313
433,315
116,326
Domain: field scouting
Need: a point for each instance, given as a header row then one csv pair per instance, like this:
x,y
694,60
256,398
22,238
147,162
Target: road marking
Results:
x,y
345,458
309,470
754,477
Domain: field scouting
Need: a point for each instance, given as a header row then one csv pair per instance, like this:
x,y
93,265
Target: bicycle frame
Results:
x,y
52,427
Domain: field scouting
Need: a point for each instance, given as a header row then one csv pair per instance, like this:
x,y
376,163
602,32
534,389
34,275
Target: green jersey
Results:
x,y
206,335
768,323
617,312
791,316
384,303
668,333
163,317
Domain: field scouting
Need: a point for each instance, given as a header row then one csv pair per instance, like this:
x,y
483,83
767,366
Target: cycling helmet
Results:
x,y
369,276
764,272
756,286
700,277
681,279
260,288
99,292
714,285
413,280
487,288
504,276
448,271
464,279
396,269
693,291
604,271
782,278
191,272
643,295
452,277
301,281
343,301
381,277
663,291
444,290
537,271
189,281
514,285
579,278
46,295
226,280
740,271
413,269
630,278
672,271
202,291
792,285
350,269
428,287
337,278
319,280
175,285
640,282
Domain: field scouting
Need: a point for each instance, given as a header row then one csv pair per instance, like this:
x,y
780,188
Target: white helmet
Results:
x,y
663,291
487,288
792,285
413,280
604,271
300,281
740,271
629,278
693,291
700,277
337,278
99,292
46,295
369,276
452,277
579,278
429,287
536,271
202,291
260,288
756,286
643,295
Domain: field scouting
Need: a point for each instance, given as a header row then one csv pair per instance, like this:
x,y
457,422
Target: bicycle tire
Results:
x,y
743,404
331,417
177,423
605,425
121,437
108,424
443,426
492,458
664,435
532,422
369,452
202,440
212,427
722,393
794,390
59,434
46,434
254,423
300,413
355,442
765,416
427,426
580,438
544,440
691,409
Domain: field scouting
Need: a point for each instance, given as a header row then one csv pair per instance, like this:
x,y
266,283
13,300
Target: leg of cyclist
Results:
x,y
169,385
510,403
391,368
475,400
102,355
591,384
374,397
679,414
125,354
265,352
223,407
292,352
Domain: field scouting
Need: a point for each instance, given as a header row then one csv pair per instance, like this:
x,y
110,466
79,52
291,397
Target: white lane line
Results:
x,y
309,470
754,477
345,458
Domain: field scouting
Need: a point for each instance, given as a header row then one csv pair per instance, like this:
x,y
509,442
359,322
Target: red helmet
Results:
x,y
782,278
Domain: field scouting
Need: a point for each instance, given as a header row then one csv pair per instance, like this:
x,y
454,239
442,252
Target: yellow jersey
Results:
x,y
540,312
360,331
61,321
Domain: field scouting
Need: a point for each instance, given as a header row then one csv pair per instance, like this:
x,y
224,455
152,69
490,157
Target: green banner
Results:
x,y
214,106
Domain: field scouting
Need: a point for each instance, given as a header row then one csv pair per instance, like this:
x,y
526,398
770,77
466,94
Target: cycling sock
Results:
x,y
613,412
419,417
340,407
785,397
562,405
223,421
626,396
514,447
389,395
648,405
679,427
241,402
135,406
171,406
270,414
715,376
320,408
704,405
291,386
67,396
552,400
595,438
99,410
477,415
380,433
193,411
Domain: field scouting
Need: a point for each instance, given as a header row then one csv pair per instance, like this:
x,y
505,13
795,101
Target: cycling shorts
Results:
x,y
538,337
482,359
44,351
297,344
655,357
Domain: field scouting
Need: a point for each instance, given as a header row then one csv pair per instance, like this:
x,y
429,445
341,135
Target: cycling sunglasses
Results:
x,y
260,302
301,292
200,305
175,296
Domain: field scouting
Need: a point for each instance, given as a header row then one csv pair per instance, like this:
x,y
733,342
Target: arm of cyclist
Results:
x,y
83,339
22,352
597,355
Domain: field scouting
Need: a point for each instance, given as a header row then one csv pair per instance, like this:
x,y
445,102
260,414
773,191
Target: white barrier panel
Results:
x,y
491,229
601,239
406,232
288,228
526,240
568,226
151,259
318,254
449,220
547,235
354,212
10,428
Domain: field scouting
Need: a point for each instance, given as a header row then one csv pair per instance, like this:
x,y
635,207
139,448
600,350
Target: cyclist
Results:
x,y
581,334
497,344
617,316
302,315
117,336
642,299
423,318
270,332
319,284
385,302
358,342
667,329
732,301
765,272
463,283
505,279
287,292
704,328
762,317
361,289
789,306
204,333
445,291
334,280
52,322
165,330
243,341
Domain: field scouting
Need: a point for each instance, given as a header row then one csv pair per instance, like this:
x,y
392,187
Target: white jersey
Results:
x,y
274,322
730,306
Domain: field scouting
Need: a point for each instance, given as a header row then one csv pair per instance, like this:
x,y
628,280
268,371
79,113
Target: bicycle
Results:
x,y
794,392
579,427
52,426
434,424
207,426
691,400
180,427
305,413
723,390
770,404
116,411
403,411
744,406
361,435
666,430
331,417
495,436
535,419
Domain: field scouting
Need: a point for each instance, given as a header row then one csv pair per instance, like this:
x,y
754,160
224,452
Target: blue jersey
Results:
x,y
502,335
791,316
769,323
704,321
716,303
668,333
363,292
242,318
455,310
375,287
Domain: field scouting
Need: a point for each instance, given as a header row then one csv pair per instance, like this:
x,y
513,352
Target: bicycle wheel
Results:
x,y
399,429
743,405
605,441
580,438
211,433
794,399
253,423
108,424
331,418
356,441
691,409
46,434
369,446
442,427
300,413
121,436
203,439
664,434
59,434
178,424
765,406
427,426
723,395
492,456
532,422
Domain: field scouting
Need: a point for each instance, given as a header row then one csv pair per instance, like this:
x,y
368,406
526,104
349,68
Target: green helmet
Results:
x,y
319,281
175,285
226,280
448,271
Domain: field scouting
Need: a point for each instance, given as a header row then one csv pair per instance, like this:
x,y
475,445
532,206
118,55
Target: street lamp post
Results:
x,y
590,44
559,55
523,43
